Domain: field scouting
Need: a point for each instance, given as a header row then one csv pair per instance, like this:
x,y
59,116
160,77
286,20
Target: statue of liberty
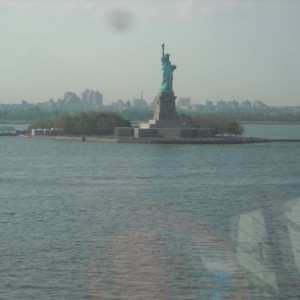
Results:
x,y
167,72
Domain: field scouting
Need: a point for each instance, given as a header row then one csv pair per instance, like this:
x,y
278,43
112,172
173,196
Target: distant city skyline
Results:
x,y
223,49
92,100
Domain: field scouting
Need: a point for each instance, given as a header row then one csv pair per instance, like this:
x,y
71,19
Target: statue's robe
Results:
x,y
167,75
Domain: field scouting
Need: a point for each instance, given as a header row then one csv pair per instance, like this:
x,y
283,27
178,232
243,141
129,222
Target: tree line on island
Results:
x,y
28,115
103,123
87,123
219,125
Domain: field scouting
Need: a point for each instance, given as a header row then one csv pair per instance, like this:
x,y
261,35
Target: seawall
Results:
x,y
216,140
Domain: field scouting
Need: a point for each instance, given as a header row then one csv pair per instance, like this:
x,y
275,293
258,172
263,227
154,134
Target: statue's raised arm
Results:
x,y
163,49
167,72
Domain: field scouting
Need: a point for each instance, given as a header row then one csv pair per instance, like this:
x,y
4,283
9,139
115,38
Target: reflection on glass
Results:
x,y
268,250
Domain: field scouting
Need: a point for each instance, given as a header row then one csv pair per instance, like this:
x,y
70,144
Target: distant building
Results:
x,y
209,105
49,106
127,105
120,105
139,104
184,102
71,102
246,104
234,104
259,104
222,105
91,100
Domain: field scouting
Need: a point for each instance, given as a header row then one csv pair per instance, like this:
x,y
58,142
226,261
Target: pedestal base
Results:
x,y
165,107
165,115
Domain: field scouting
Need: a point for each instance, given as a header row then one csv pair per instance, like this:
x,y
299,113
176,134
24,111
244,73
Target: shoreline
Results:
x,y
73,138
216,140
270,123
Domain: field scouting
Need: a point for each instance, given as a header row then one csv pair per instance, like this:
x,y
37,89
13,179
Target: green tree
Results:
x,y
184,118
235,128
219,125
88,123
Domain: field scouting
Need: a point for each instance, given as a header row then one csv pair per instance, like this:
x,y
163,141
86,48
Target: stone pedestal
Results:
x,y
165,124
165,115
165,107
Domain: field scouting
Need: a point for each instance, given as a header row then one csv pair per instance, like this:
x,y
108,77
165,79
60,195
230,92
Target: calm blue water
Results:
x,y
276,131
135,221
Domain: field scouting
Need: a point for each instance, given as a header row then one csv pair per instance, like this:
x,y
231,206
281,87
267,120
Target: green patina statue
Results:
x,y
167,72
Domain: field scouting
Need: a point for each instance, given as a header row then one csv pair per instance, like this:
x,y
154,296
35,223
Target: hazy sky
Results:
x,y
223,49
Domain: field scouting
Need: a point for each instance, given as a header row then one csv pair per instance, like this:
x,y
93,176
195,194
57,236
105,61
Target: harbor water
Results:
x,y
92,220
